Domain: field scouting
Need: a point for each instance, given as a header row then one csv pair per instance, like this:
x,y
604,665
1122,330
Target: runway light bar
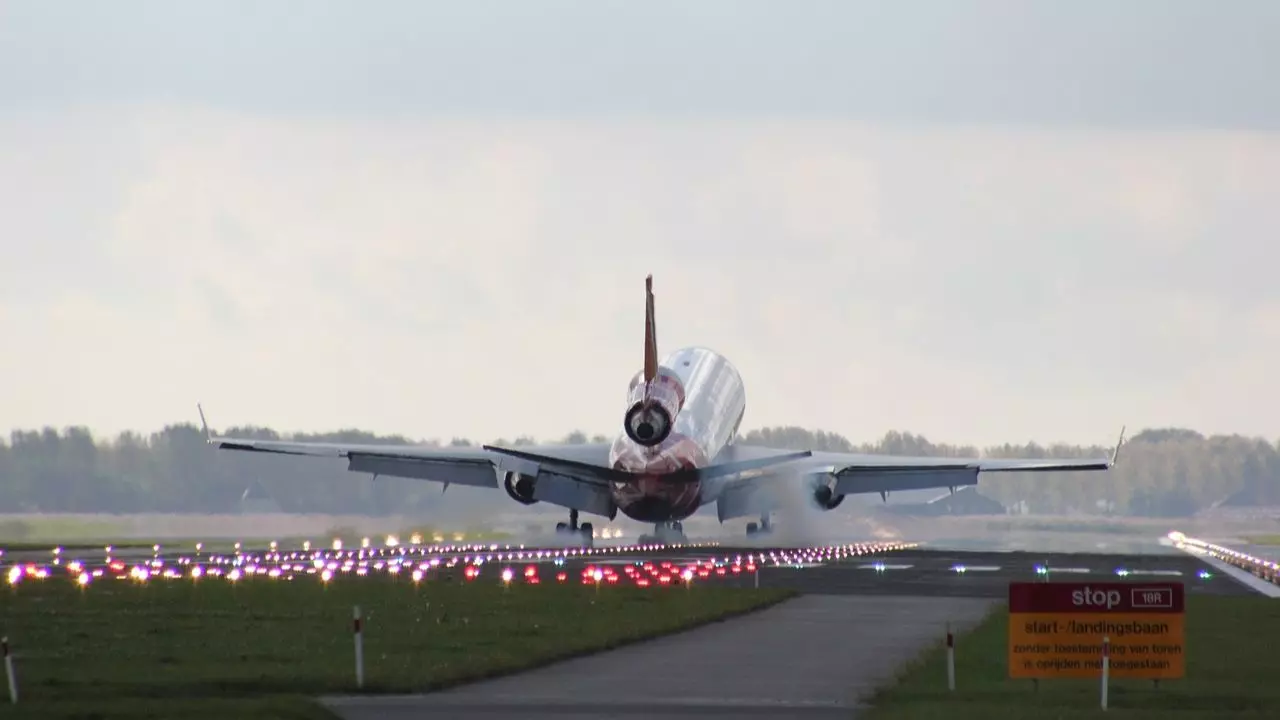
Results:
x,y
612,564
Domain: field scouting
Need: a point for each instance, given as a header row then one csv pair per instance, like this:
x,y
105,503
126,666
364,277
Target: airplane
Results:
x,y
676,453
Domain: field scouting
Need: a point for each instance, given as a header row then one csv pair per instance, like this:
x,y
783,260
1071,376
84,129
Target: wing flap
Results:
x,y
573,492
852,482
855,473
476,473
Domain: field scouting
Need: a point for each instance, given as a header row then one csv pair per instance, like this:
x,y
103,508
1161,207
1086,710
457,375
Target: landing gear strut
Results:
x,y
765,526
671,533
571,529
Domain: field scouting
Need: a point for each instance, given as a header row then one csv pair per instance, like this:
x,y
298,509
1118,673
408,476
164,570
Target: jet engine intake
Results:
x,y
519,487
647,424
824,495
652,407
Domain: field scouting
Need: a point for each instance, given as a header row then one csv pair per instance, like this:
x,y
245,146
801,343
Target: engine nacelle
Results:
x,y
647,424
825,498
652,407
519,487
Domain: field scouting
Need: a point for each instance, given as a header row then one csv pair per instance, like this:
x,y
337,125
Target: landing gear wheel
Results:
x,y
669,534
582,533
761,528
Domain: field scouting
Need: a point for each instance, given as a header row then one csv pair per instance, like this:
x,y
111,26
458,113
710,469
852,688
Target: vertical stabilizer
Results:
x,y
650,333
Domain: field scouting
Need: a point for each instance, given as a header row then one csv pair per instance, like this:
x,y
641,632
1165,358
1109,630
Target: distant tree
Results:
x,y
1163,472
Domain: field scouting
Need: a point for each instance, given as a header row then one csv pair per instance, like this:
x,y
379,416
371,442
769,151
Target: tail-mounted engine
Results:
x,y
652,407
824,494
519,487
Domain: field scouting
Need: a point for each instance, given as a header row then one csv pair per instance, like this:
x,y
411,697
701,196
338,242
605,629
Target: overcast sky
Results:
x,y
980,221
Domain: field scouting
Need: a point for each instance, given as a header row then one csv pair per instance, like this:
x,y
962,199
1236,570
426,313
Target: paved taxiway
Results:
x,y
819,655
814,656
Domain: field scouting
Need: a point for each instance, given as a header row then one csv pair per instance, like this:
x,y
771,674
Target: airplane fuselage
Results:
x,y
709,400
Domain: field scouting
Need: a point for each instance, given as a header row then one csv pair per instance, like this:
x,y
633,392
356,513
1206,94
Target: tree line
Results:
x,y
1162,472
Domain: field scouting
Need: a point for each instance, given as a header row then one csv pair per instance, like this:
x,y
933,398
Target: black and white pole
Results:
x,y
951,660
1106,668
359,647
8,671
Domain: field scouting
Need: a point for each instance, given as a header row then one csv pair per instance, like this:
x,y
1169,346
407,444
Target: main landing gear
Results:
x,y
765,526
671,533
571,530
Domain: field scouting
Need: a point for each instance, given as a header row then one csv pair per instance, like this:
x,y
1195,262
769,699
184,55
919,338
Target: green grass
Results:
x,y
164,649
1231,665
1271,539
350,539
43,530
1119,526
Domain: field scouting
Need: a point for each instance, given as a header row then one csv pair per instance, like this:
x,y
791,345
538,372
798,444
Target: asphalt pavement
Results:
x,y
811,657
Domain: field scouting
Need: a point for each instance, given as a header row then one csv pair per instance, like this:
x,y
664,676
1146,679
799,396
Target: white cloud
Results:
x,y
484,278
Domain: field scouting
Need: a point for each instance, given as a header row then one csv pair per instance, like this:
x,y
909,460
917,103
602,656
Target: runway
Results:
x,y
934,573
865,609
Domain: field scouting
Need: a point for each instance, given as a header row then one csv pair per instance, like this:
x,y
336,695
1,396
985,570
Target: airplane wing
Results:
x,y
856,473
573,476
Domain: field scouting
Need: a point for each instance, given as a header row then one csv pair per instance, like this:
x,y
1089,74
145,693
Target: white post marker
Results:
x,y
1106,668
8,671
951,660
359,648
757,574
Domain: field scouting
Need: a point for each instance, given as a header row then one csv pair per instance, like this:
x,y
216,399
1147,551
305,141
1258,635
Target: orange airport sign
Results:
x,y
1056,630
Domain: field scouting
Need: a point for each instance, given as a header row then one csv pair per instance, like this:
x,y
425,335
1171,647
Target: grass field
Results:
x,y
39,531
1269,539
182,648
348,538
1230,645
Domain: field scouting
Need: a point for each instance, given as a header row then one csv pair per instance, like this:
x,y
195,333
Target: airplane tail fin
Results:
x,y
650,333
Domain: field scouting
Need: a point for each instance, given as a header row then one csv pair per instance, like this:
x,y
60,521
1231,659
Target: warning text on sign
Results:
x,y
1056,629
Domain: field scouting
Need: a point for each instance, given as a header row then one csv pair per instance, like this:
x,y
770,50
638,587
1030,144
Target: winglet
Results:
x,y
204,423
650,333
1115,454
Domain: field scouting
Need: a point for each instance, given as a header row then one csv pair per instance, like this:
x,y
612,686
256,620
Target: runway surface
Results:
x,y
987,575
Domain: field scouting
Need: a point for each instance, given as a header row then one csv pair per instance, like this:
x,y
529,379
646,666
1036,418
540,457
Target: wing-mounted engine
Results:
x,y
519,487
824,494
652,407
